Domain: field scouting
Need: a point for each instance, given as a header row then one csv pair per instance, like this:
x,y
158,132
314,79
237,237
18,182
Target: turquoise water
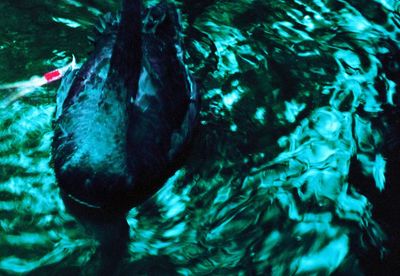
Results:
x,y
292,91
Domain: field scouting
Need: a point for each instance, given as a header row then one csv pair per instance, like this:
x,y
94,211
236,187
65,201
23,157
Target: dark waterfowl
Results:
x,y
124,119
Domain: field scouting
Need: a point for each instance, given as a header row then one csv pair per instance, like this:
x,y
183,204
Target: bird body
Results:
x,y
125,118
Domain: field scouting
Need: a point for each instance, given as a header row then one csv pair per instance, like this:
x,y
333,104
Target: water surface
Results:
x,y
289,151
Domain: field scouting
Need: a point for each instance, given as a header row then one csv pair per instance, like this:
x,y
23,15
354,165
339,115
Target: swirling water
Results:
x,y
285,173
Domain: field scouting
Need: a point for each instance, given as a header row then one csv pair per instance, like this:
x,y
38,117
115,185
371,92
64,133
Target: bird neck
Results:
x,y
127,52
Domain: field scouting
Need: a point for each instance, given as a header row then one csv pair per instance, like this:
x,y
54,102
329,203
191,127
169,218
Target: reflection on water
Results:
x,y
298,129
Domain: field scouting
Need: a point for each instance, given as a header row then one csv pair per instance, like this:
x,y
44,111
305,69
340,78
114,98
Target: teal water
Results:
x,y
291,91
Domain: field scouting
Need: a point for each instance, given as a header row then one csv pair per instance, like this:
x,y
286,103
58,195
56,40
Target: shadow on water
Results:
x,y
111,230
386,204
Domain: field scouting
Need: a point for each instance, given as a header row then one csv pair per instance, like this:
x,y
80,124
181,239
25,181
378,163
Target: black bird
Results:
x,y
125,118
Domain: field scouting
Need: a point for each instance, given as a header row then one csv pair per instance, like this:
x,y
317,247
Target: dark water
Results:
x,y
285,175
